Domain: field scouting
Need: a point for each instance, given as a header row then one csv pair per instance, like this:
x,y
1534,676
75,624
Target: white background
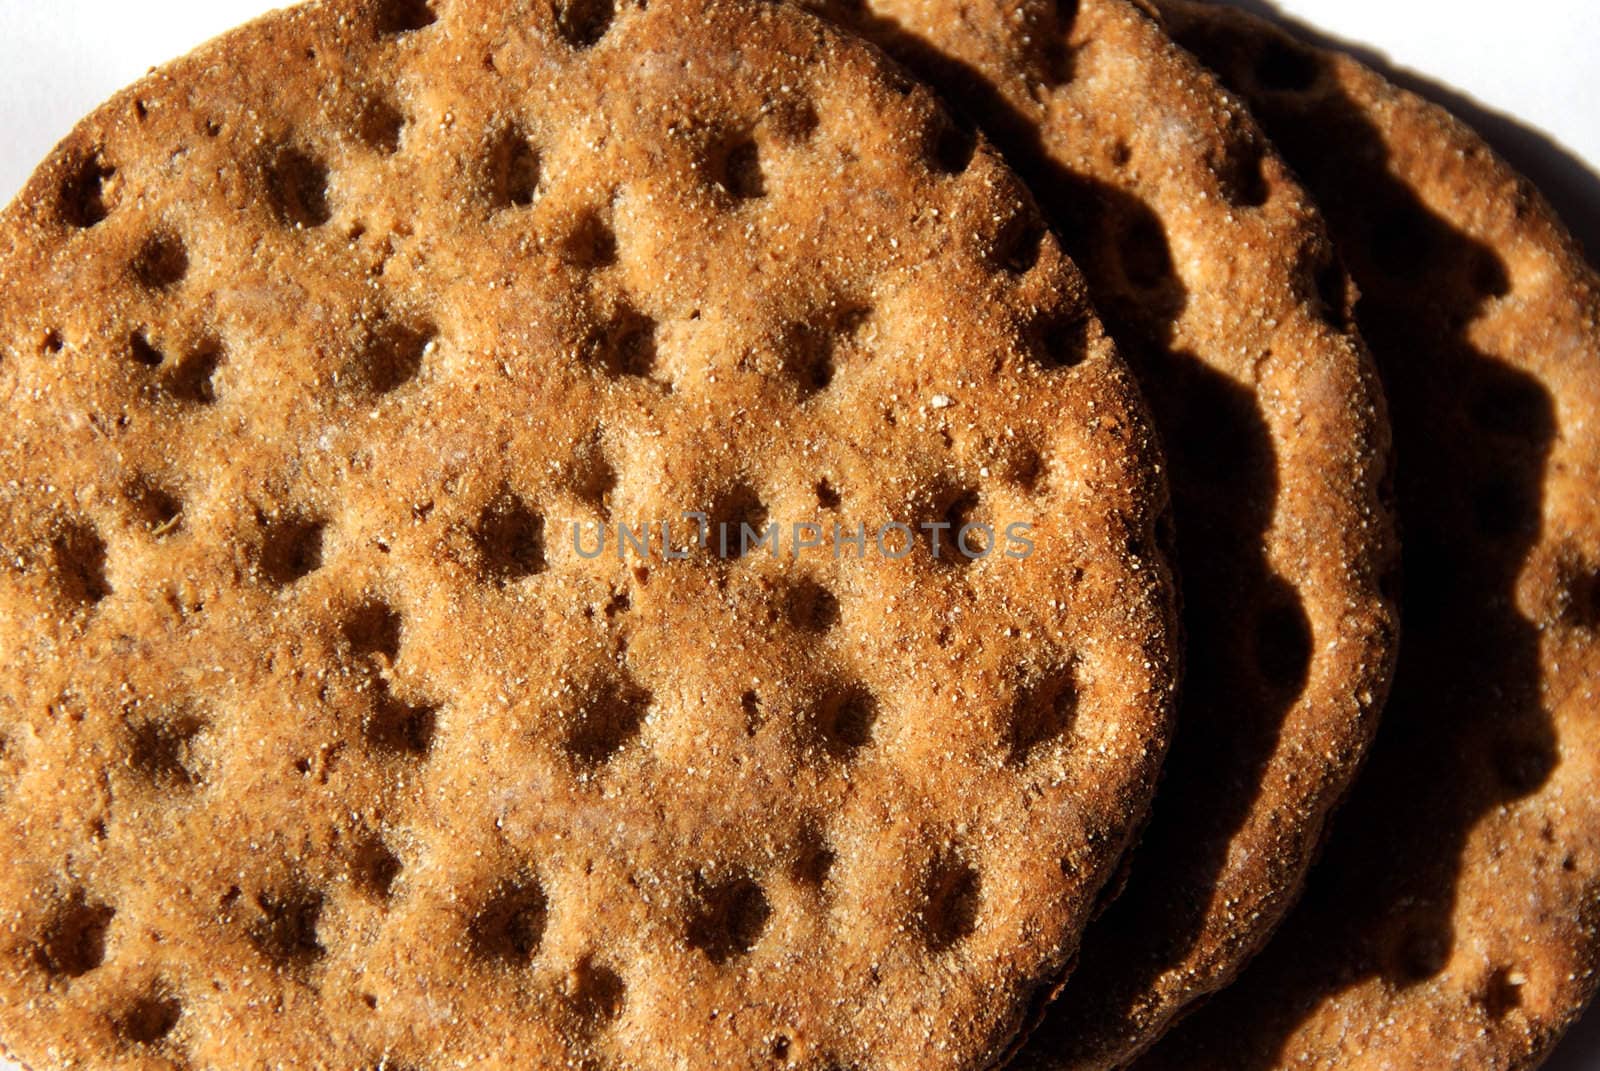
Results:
x,y
1528,75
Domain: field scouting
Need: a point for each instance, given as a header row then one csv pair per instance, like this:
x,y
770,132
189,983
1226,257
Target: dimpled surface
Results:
x,y
1213,271
1452,923
323,743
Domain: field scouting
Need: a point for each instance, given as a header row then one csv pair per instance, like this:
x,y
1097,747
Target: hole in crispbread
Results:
x,y
810,349
625,345
590,244
161,262
78,555
1057,63
1025,468
375,867
1501,993
594,478
403,16
162,748
605,720
958,533
738,521
793,120
596,992
83,193
843,718
156,508
810,607
1284,646
1243,175
143,351
951,897
581,23
74,940
1059,340
392,352
827,497
53,342
398,727
808,356
1285,68
1021,241
509,928
736,168
297,187
1577,591
727,917
284,926
379,125
813,858
513,169
148,1019
951,146
509,536
619,603
192,380
372,628
1042,713
290,548
754,714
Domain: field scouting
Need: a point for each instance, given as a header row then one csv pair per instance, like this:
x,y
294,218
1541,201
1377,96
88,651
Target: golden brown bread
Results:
x,y
324,746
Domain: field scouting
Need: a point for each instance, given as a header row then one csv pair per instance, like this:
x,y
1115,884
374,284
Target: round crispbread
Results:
x,y
327,353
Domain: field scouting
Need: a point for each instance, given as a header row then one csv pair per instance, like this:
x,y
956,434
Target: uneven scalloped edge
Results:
x,y
1541,226
1346,730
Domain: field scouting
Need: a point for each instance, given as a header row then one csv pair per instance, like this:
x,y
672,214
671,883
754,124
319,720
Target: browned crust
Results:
x,y
310,739
1453,922
1214,272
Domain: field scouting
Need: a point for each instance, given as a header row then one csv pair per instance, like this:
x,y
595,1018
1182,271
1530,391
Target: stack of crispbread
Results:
x,y
816,534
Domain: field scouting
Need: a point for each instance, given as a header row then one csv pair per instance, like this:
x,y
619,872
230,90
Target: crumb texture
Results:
x,y
323,740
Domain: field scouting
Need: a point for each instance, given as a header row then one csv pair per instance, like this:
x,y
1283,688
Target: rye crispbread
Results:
x,y
325,746
1214,273
1453,920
